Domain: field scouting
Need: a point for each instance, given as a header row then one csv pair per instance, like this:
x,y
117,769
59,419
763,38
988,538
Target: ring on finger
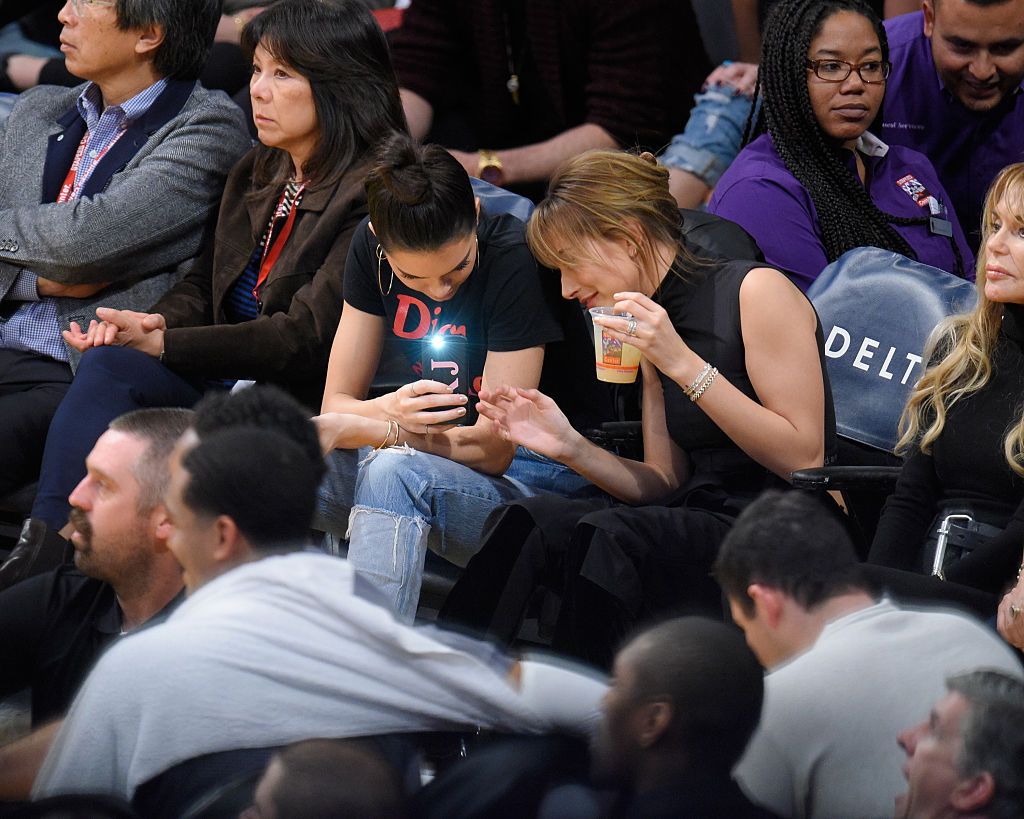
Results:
x,y
412,389
631,327
1014,611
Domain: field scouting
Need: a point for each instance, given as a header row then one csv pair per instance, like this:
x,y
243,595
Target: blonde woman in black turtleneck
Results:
x,y
963,428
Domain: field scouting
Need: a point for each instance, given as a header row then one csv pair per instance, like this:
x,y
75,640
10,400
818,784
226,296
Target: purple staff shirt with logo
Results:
x,y
759,193
966,148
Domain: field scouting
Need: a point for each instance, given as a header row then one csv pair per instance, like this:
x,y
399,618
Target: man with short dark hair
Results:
x,y
684,701
106,190
327,779
220,524
844,672
967,758
955,94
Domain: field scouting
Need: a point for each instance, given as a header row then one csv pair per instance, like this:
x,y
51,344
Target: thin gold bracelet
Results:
x,y
383,444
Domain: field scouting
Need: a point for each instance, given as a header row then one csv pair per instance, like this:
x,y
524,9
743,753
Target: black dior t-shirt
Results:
x,y
501,307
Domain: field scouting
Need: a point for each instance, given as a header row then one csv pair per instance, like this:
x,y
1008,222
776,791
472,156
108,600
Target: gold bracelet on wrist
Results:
x,y
392,424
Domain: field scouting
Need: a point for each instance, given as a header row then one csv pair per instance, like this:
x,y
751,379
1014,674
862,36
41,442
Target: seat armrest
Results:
x,y
882,478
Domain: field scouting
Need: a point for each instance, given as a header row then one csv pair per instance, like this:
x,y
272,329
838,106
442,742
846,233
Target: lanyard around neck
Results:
x,y
274,245
74,181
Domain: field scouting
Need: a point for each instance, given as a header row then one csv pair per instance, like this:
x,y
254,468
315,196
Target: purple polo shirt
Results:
x,y
760,194
966,148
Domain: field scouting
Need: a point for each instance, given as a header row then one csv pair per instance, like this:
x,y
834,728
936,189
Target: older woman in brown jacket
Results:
x,y
264,301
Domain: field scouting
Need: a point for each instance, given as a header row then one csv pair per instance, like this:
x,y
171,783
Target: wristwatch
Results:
x,y
490,168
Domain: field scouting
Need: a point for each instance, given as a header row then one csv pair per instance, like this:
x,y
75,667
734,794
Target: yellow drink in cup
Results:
x,y
617,363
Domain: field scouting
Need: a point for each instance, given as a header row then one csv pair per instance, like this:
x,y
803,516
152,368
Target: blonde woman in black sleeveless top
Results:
x,y
735,397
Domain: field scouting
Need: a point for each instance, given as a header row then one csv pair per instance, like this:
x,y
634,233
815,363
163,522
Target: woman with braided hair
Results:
x,y
817,183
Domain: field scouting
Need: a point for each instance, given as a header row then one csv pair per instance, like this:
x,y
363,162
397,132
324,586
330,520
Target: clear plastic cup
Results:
x,y
617,363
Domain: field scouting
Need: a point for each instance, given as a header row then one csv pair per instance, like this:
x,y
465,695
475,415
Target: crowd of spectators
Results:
x,y
327,509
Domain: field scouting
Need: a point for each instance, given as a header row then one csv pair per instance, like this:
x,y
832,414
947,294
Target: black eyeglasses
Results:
x,y
872,71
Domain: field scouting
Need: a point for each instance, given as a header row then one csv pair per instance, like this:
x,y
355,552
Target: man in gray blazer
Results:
x,y
106,191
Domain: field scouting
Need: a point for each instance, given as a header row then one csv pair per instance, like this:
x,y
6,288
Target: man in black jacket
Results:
x,y
54,626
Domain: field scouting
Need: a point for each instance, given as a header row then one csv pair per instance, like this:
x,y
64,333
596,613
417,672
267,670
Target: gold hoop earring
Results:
x,y
381,255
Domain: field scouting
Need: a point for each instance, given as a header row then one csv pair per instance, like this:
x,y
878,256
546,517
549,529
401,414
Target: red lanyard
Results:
x,y
271,252
71,187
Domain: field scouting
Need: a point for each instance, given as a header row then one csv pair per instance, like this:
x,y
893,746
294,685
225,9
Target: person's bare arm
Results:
x,y
418,112
533,163
23,70
229,30
532,419
687,188
21,760
784,429
748,33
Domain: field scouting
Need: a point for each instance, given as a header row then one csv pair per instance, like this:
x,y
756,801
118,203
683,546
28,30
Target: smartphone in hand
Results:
x,y
443,358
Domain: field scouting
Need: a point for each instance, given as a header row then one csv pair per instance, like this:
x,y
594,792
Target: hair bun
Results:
x,y
649,158
401,169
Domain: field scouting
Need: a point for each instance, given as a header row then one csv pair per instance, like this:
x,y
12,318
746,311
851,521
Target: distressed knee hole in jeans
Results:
x,y
389,551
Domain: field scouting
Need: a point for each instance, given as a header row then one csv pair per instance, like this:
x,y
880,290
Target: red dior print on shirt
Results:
x,y
405,317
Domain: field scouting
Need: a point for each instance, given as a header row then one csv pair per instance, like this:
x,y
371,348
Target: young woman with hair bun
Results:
x,y
818,183
430,270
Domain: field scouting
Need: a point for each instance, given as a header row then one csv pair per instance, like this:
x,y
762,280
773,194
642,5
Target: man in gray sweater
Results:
x,y
845,673
104,189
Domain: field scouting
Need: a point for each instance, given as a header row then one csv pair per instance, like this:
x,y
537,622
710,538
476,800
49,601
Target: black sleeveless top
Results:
x,y
703,304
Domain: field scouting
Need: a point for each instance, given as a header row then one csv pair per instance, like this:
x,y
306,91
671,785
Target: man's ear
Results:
x,y
928,8
162,526
149,40
768,603
655,718
231,545
973,793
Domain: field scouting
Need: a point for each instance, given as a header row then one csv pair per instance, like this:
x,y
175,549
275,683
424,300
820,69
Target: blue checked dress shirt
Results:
x,y
33,327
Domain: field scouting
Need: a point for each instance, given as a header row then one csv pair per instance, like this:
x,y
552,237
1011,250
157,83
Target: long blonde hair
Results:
x,y
963,345
603,194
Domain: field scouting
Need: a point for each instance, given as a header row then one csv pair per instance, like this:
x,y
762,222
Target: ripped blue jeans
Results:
x,y
713,134
405,501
